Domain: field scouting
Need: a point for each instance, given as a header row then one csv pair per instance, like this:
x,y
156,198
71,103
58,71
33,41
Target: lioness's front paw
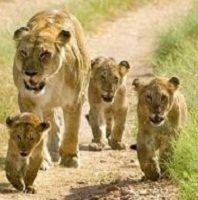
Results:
x,y
45,165
55,156
96,146
30,189
116,145
69,161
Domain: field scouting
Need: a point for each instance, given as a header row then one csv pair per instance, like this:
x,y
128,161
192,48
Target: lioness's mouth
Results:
x,y
107,98
157,120
34,87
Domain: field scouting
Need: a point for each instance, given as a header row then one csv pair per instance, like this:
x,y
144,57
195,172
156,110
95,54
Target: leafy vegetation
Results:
x,y
177,54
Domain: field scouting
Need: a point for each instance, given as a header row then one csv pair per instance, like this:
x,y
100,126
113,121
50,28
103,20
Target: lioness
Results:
x,y
162,112
51,69
108,102
25,150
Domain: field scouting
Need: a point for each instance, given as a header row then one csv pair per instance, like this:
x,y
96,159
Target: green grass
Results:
x,y
177,54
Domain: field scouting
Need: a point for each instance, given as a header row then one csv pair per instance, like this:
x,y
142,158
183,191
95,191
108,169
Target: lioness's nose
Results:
x,y
30,72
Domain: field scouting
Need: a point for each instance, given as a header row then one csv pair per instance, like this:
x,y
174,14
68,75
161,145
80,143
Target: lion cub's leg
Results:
x,y
119,125
31,174
109,124
97,123
165,154
56,118
15,179
146,149
69,147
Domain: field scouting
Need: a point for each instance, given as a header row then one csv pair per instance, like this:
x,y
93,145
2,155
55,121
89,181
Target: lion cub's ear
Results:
x,y
137,84
124,67
20,33
174,81
95,62
9,121
63,37
43,126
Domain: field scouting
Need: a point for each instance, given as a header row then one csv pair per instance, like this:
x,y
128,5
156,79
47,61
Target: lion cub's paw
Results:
x,y
96,146
69,161
30,189
116,145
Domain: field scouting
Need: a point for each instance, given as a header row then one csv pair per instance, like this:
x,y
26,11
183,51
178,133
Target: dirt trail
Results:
x,y
112,174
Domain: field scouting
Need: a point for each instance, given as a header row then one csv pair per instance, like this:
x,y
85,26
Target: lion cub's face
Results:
x,y
108,76
156,98
39,56
26,131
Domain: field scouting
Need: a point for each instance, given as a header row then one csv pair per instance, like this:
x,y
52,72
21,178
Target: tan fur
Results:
x,y
51,69
25,150
108,102
162,112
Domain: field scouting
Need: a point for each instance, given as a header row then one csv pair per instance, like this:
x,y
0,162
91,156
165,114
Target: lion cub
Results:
x,y
25,150
162,112
108,102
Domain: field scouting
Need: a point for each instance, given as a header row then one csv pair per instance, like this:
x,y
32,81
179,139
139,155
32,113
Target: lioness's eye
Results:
x,y
22,53
45,56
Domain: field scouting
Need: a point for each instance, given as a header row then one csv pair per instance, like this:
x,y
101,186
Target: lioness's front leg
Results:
x,y
119,125
69,147
96,121
147,157
56,118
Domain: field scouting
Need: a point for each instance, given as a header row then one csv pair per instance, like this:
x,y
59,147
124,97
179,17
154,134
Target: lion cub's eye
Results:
x,y
19,137
116,79
148,98
44,56
102,76
164,98
31,139
22,53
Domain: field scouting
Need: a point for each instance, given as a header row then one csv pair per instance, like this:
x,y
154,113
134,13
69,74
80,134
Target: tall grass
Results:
x,y
177,54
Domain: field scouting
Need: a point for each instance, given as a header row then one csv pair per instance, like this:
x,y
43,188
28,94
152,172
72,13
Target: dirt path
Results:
x,y
111,174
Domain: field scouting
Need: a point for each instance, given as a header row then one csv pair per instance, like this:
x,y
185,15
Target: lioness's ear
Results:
x,y
20,33
124,67
43,126
9,121
136,83
174,82
63,37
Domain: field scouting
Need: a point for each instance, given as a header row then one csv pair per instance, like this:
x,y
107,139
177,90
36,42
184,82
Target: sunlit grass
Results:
x,y
177,54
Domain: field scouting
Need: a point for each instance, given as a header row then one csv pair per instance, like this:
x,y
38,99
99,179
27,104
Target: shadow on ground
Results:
x,y
100,191
2,162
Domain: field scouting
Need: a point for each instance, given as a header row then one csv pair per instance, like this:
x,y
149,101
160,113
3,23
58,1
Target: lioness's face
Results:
x,y
157,99
108,76
38,57
25,133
